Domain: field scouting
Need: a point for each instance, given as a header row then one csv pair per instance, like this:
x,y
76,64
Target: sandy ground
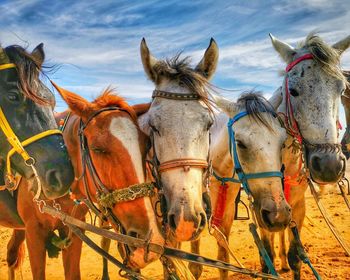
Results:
x,y
324,252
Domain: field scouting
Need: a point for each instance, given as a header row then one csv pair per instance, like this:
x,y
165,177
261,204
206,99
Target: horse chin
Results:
x,y
186,233
139,259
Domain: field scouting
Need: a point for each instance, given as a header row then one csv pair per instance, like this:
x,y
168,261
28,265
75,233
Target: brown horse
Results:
x,y
117,151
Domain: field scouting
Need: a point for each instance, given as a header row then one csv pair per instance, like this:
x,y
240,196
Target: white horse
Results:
x,y
259,139
178,124
311,91
315,84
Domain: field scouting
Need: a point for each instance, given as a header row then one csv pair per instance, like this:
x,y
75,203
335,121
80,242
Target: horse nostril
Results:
x,y
316,163
172,222
53,179
203,220
265,216
133,234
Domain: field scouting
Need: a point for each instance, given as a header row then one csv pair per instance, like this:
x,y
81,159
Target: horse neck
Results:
x,y
219,149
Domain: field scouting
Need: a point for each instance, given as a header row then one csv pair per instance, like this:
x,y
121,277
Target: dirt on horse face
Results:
x,y
28,107
117,149
180,131
259,140
315,86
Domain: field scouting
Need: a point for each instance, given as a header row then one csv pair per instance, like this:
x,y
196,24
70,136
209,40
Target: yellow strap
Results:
x,y
26,143
11,136
7,66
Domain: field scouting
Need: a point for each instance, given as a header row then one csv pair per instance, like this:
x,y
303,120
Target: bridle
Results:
x,y
242,176
106,199
19,146
157,167
291,124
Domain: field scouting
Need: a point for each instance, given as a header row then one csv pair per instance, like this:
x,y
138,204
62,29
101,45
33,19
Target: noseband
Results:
x,y
18,146
242,176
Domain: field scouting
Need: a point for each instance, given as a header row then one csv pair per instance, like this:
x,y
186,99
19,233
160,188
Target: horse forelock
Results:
x,y
324,54
256,105
109,98
28,69
178,69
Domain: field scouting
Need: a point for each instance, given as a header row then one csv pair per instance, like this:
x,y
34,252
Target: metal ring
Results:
x,y
30,161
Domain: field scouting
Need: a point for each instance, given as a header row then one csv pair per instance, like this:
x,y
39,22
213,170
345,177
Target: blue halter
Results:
x,y
242,177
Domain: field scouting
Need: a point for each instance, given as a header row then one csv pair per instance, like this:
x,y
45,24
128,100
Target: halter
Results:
x,y
186,163
18,146
242,176
291,123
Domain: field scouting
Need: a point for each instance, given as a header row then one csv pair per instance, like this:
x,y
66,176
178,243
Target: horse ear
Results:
x,y
286,51
148,61
76,103
342,45
225,105
3,57
207,65
140,109
39,54
276,98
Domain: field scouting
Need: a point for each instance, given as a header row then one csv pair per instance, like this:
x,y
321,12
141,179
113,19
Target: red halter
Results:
x,y
290,120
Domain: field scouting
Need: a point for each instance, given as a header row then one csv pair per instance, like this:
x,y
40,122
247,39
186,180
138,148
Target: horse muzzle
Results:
x,y
327,166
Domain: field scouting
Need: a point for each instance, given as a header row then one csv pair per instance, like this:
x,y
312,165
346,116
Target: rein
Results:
x,y
18,146
76,225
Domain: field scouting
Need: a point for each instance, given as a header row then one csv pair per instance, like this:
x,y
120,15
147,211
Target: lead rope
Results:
x,y
300,250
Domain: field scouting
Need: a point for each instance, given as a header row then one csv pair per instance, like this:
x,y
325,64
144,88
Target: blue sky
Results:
x,y
97,42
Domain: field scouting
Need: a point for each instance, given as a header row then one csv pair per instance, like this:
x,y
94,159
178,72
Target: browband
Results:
x,y
174,95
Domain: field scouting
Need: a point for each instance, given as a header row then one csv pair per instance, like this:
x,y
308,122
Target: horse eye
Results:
x,y
99,150
154,129
293,92
13,97
241,145
210,124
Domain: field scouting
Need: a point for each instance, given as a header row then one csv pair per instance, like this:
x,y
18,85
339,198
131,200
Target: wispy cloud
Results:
x,y
97,42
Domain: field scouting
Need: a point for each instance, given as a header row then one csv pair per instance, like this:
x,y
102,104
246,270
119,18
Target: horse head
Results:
x,y
112,153
178,123
27,106
258,141
313,85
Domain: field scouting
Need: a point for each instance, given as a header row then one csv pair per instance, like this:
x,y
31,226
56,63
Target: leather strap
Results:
x,y
185,163
175,95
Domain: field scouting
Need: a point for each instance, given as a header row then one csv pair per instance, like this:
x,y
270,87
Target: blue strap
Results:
x,y
224,180
301,252
242,177
262,251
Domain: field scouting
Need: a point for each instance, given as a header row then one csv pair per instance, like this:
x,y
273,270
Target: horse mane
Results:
x,y
28,69
179,70
110,98
255,104
328,57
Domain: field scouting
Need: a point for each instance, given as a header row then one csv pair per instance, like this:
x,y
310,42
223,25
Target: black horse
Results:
x,y
27,105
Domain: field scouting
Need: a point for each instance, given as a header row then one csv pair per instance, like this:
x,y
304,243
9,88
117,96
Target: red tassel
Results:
x,y
287,183
220,206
